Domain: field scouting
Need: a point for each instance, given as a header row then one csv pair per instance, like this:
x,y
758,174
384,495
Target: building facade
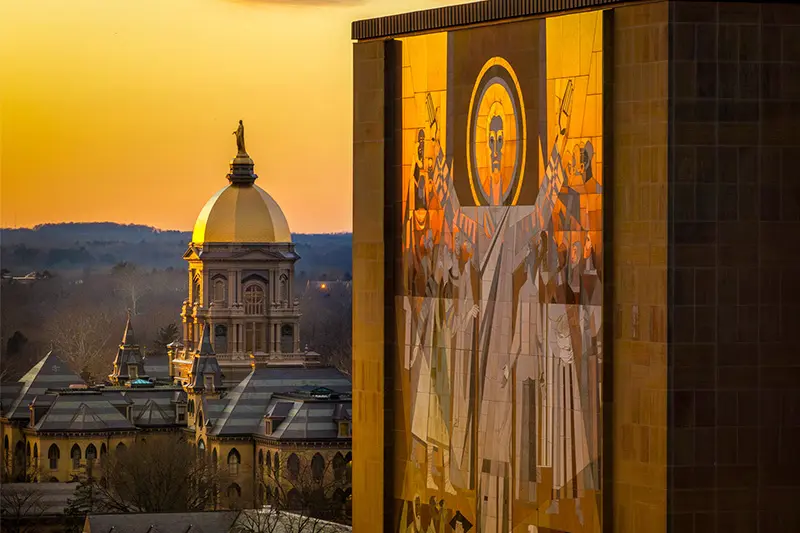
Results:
x,y
572,312
273,419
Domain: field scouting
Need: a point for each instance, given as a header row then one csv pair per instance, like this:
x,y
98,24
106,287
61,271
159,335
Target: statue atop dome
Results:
x,y
240,139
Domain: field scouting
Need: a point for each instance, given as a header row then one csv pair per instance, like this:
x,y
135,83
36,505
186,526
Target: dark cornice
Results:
x,y
487,11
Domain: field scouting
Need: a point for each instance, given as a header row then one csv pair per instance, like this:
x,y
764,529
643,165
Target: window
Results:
x,y
317,467
339,467
91,453
233,462
254,300
201,446
195,288
208,382
293,464
214,457
284,288
287,338
220,338
28,450
254,334
276,465
35,454
234,491
261,457
133,371
200,419
269,461
121,448
75,454
219,290
268,427
53,454
103,451
344,430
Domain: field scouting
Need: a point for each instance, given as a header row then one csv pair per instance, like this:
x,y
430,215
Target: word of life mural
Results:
x,y
499,315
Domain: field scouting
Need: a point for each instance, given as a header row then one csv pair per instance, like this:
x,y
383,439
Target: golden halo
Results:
x,y
496,169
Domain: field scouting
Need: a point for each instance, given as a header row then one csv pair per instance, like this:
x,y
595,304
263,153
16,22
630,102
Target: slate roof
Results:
x,y
205,364
157,367
86,411
204,522
49,373
315,420
248,402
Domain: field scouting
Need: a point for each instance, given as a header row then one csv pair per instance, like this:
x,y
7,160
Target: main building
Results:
x,y
236,384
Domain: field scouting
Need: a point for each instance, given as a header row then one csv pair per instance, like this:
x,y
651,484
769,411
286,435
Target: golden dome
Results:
x,y
241,213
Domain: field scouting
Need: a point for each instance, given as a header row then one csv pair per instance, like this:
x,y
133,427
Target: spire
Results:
x,y
242,165
206,348
128,337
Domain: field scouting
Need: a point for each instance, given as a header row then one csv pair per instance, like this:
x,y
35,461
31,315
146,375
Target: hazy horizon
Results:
x,y
124,111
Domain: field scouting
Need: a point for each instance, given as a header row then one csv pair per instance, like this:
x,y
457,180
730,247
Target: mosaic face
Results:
x,y
496,135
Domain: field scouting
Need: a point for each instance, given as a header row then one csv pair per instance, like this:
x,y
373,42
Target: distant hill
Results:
x,y
100,245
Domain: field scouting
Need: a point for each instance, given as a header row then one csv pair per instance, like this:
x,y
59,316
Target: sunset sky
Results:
x,y
120,110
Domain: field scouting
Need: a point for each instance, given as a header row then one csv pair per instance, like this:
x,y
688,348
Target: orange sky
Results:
x,y
123,110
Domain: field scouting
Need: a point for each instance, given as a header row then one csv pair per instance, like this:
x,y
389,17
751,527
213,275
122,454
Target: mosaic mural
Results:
x,y
499,313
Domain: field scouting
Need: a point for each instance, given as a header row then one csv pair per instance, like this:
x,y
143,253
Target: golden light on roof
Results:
x,y
241,214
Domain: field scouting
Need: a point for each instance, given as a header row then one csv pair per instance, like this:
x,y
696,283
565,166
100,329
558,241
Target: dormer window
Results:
x,y
133,371
208,382
268,426
344,430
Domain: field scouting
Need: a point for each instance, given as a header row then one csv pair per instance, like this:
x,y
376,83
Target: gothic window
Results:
x,y
53,454
284,288
91,452
214,459
317,467
219,290
254,299
121,448
103,451
269,461
234,491
75,454
293,464
339,467
35,453
196,288
201,446
233,462
261,457
276,465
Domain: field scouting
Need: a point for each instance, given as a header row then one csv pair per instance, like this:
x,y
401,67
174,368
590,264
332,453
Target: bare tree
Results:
x,y
20,507
132,283
84,338
273,520
164,474
310,489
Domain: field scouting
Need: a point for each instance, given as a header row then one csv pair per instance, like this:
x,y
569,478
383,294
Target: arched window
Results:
x,y
75,454
293,465
261,457
214,458
234,491
200,419
121,448
317,467
295,499
219,290
53,454
276,465
91,453
284,288
28,450
269,461
53,480
233,462
201,446
5,445
103,451
254,299
339,467
195,288
35,453
190,407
